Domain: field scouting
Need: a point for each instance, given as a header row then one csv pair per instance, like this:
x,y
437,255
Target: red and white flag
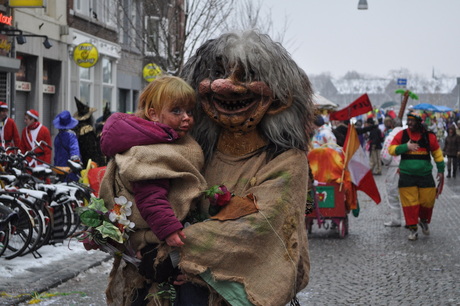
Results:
x,y
358,165
358,107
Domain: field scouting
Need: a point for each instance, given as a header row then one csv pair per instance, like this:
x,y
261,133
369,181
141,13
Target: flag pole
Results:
x,y
346,157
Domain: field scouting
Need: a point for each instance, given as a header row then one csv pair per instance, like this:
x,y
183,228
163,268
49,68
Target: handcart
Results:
x,y
329,209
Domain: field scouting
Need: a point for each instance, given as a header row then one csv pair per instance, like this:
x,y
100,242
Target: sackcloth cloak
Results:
x,y
266,251
181,162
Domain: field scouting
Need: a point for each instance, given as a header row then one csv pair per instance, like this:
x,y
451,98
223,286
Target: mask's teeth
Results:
x,y
234,105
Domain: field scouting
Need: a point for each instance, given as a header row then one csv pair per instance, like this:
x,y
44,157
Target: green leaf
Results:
x,y
91,218
400,91
413,96
212,191
79,210
109,230
98,204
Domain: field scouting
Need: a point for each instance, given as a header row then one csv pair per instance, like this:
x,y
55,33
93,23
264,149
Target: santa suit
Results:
x,y
28,138
9,134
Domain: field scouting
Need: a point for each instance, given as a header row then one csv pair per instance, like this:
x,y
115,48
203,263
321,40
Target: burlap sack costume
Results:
x,y
180,162
266,251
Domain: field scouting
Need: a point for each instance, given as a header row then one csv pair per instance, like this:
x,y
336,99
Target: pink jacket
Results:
x,y
124,131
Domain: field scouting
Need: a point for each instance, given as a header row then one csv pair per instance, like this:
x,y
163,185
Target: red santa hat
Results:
x,y
3,105
33,113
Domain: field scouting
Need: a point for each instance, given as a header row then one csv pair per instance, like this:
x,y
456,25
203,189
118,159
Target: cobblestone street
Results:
x,y
373,265
377,265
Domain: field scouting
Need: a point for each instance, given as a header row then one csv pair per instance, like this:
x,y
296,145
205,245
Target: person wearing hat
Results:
x,y
9,134
33,133
417,187
86,134
323,134
66,143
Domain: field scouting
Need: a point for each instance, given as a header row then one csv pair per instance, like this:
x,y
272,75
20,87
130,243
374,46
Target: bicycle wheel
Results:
x,y
4,236
6,217
48,226
38,223
21,230
72,220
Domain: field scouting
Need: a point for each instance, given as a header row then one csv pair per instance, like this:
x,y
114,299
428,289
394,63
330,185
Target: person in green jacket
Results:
x,y
417,187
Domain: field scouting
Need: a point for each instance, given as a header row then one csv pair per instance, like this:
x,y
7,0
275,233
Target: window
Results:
x,y
82,7
85,84
130,24
103,11
107,81
155,37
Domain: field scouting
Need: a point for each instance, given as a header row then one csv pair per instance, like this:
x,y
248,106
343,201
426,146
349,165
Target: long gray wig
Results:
x,y
262,60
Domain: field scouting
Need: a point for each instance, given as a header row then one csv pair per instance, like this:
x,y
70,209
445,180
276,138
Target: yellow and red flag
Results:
x,y
357,163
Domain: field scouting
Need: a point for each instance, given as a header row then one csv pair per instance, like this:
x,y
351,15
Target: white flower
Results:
x,y
121,211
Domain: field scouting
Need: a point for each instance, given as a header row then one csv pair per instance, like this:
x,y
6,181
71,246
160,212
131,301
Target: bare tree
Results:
x,y
167,32
253,15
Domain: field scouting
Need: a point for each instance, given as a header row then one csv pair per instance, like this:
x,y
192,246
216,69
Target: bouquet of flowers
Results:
x,y
218,196
105,227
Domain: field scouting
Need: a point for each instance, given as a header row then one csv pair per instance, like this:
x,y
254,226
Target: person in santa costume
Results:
x,y
33,133
9,134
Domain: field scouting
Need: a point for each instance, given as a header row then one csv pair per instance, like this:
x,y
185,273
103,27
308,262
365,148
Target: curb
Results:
x,y
42,279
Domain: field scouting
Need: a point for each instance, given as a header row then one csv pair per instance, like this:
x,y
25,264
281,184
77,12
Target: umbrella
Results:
x,y
323,103
443,109
388,104
426,107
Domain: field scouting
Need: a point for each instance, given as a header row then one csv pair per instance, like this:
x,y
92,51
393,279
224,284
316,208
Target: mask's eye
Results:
x,y
219,71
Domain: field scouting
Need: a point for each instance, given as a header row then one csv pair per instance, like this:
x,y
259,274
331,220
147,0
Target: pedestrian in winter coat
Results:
x,y
375,146
452,150
9,134
34,133
66,143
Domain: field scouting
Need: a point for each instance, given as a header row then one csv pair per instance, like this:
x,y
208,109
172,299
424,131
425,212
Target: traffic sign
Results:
x,y
402,82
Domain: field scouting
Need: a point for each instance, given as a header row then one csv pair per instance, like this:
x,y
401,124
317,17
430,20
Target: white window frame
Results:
x,y
111,85
160,36
82,7
88,82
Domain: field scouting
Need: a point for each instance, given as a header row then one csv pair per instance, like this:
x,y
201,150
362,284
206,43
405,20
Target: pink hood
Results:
x,y
122,131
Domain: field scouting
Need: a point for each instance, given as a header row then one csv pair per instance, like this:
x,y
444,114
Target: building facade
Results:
x,y
44,61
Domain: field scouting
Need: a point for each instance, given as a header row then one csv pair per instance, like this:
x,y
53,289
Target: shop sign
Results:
x,y
27,3
151,72
6,19
5,46
49,89
23,86
85,55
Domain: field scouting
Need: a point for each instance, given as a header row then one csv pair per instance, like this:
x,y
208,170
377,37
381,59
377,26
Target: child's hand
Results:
x,y
175,240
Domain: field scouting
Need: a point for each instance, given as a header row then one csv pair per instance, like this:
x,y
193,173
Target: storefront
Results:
x,y
93,71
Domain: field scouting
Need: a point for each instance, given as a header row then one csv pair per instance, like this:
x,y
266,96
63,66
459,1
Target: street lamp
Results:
x,y
21,39
47,43
362,5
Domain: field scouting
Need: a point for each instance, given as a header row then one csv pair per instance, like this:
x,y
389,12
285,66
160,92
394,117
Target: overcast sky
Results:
x,y
334,36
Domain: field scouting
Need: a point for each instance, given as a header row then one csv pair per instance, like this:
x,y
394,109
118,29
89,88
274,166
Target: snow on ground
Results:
x,y
49,253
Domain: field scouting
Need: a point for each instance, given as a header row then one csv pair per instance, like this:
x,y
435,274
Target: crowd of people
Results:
x,y
70,143
409,155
